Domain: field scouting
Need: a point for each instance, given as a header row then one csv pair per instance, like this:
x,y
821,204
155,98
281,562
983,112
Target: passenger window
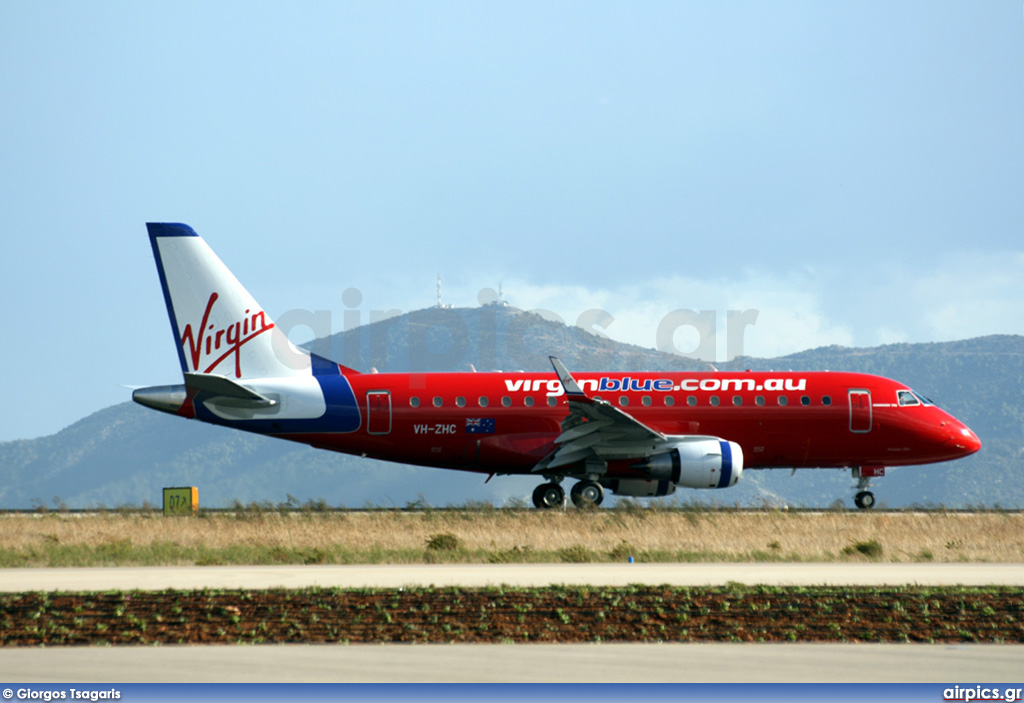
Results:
x,y
736,400
414,402
506,401
783,400
691,400
646,400
528,401
483,401
623,400
826,400
907,398
669,401
759,400
460,401
714,400
805,400
552,401
437,401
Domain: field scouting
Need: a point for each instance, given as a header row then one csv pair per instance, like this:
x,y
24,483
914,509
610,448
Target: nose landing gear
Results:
x,y
865,499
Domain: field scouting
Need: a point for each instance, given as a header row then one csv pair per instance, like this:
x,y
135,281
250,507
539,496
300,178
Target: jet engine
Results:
x,y
640,487
696,463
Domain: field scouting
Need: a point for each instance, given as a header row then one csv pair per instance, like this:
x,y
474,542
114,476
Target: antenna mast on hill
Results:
x,y
440,305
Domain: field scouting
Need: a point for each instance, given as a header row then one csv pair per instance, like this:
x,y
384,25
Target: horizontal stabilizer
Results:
x,y
224,391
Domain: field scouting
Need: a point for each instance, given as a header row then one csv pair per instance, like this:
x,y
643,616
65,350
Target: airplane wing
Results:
x,y
595,429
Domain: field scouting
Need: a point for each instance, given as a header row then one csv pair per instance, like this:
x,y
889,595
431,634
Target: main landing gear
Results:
x,y
552,495
587,493
548,495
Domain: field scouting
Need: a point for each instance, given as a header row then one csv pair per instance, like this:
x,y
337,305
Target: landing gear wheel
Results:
x,y
865,500
548,495
587,493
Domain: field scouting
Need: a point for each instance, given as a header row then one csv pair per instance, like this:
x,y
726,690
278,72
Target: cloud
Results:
x,y
774,313
754,314
960,295
975,295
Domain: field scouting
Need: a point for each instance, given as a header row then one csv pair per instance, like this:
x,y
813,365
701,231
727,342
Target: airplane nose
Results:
x,y
964,441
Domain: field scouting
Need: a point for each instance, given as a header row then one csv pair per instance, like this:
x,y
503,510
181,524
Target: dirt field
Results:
x,y
499,535
635,614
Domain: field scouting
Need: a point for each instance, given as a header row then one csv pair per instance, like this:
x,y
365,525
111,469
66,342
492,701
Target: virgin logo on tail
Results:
x,y
209,341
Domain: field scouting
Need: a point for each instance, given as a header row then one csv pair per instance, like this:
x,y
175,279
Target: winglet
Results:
x,y
572,389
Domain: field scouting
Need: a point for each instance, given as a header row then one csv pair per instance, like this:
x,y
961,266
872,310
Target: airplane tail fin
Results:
x,y
219,328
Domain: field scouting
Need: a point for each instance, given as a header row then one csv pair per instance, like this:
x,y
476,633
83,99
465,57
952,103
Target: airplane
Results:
x,y
637,434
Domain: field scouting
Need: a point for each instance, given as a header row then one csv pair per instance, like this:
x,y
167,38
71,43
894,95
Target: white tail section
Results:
x,y
218,326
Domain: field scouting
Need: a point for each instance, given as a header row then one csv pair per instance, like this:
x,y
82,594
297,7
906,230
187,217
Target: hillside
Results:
x,y
125,454
491,337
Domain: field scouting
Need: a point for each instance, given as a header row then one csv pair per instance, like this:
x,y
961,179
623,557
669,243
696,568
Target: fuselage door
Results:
x,y
860,410
378,412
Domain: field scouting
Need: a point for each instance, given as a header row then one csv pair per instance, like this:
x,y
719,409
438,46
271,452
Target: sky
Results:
x,y
851,172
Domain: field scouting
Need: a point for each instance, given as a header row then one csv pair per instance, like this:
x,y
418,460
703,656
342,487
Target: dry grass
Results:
x,y
58,539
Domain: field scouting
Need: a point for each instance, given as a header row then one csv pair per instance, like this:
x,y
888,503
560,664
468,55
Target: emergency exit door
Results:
x,y
378,412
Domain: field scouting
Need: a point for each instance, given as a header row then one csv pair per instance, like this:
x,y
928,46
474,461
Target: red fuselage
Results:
x,y
507,422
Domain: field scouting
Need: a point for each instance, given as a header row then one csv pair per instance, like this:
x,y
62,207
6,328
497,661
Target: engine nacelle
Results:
x,y
699,463
640,487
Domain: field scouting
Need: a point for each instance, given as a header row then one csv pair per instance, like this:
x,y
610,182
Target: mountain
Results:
x,y
491,337
126,454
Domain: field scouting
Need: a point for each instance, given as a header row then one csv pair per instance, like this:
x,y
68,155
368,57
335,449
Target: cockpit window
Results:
x,y
924,401
907,398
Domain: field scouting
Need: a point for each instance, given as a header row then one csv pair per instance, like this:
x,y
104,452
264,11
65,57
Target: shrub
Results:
x,y
314,555
871,548
445,542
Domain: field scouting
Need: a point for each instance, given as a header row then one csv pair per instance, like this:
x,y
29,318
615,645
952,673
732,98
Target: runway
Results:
x,y
519,663
527,575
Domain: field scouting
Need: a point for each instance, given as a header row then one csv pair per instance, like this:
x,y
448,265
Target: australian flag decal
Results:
x,y
479,425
